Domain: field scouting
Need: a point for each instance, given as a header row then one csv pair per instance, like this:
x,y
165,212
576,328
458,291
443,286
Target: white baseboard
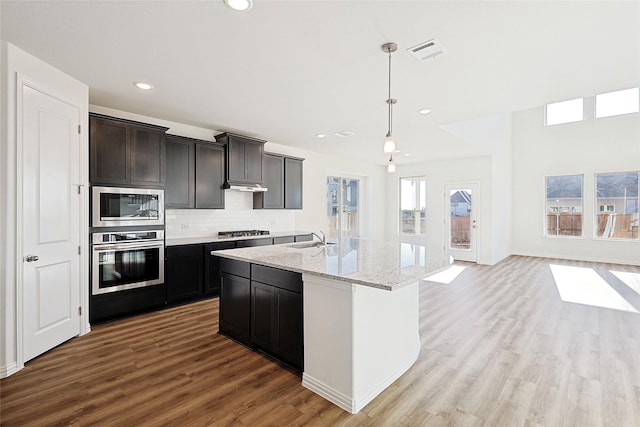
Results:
x,y
8,370
350,405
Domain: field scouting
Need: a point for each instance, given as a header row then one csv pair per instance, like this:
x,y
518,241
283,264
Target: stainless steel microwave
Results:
x,y
115,207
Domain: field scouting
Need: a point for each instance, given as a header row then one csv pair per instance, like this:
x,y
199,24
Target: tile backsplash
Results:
x,y
238,214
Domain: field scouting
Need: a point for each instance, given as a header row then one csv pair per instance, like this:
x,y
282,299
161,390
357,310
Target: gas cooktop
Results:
x,y
242,233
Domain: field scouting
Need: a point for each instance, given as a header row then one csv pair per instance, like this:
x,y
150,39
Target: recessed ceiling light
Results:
x,y
321,135
424,111
241,5
143,85
406,154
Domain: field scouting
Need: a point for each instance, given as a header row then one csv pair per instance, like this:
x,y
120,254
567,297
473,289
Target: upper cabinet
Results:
x,y
124,152
195,174
283,178
243,159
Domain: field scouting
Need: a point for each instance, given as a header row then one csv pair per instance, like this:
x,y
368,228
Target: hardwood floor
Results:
x,y
499,348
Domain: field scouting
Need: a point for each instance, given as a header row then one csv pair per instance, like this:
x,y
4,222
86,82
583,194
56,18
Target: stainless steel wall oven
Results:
x,y
124,260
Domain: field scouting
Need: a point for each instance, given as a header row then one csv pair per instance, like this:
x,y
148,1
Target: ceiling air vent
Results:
x,y
344,134
427,50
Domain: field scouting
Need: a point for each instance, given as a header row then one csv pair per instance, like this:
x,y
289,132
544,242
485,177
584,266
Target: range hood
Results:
x,y
243,162
250,188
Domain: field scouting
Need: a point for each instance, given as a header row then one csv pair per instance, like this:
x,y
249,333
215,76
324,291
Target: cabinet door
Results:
x,y
179,186
235,308
108,151
236,163
288,342
273,170
212,267
253,152
183,273
147,157
254,242
293,183
209,176
262,318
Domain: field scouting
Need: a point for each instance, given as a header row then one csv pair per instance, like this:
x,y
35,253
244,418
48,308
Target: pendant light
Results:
x,y
389,141
391,166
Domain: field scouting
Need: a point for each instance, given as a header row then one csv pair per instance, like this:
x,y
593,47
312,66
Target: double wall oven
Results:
x,y
127,239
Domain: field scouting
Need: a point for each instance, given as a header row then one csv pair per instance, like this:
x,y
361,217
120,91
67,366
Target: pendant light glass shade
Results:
x,y
389,144
391,166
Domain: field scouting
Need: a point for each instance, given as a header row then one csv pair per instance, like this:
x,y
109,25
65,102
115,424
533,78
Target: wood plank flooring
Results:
x,y
499,348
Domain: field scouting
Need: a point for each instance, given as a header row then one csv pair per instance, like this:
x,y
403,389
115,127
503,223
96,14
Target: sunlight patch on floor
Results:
x,y
632,280
584,286
447,276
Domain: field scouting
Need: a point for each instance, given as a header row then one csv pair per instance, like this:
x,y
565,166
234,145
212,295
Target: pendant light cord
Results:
x,y
389,98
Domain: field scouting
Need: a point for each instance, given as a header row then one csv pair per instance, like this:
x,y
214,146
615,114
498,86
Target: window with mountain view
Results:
x,y
616,215
563,206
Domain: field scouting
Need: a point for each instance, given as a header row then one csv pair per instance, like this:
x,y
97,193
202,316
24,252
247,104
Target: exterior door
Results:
x,y
51,223
461,222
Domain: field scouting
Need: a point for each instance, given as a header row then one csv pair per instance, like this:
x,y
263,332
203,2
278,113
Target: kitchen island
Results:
x,y
359,310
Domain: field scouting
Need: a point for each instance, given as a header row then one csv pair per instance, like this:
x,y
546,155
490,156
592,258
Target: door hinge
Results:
x,y
79,250
79,129
79,311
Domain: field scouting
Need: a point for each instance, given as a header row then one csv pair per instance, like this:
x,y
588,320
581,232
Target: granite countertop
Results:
x,y
379,264
214,238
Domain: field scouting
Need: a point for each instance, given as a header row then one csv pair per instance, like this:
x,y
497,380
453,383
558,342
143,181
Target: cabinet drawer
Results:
x,y
284,239
184,251
237,268
276,277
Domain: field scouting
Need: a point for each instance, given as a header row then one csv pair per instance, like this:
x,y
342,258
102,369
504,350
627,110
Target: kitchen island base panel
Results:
x,y
357,339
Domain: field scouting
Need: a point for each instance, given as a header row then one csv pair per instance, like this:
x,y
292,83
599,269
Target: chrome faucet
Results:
x,y
323,239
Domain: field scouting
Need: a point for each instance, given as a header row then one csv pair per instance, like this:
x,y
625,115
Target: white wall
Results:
x,y
238,212
439,173
588,147
64,87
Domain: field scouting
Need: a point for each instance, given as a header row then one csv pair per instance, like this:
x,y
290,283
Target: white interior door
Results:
x,y
51,226
461,220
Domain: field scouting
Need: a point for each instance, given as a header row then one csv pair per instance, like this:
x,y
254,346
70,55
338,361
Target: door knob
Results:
x,y
31,258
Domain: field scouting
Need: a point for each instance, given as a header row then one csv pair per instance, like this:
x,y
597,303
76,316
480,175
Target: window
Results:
x,y
616,103
563,205
564,112
617,205
343,207
413,204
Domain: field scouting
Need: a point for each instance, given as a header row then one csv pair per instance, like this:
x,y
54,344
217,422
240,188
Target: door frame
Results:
x,y
51,90
475,216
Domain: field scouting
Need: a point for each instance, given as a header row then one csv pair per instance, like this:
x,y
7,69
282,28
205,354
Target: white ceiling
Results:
x,y
288,70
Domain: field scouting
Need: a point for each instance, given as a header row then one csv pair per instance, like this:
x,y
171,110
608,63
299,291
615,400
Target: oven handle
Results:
x,y
123,246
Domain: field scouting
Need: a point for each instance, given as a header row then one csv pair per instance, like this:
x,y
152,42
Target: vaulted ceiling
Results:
x,y
288,70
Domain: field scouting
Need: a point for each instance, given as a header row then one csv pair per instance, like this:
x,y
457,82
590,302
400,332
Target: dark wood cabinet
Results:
x,y
235,300
124,152
195,174
212,267
283,179
179,186
292,183
283,239
276,313
184,273
209,176
243,159
254,242
273,171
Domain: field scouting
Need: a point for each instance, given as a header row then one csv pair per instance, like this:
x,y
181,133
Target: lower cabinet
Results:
x,y
235,301
212,267
261,307
183,273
